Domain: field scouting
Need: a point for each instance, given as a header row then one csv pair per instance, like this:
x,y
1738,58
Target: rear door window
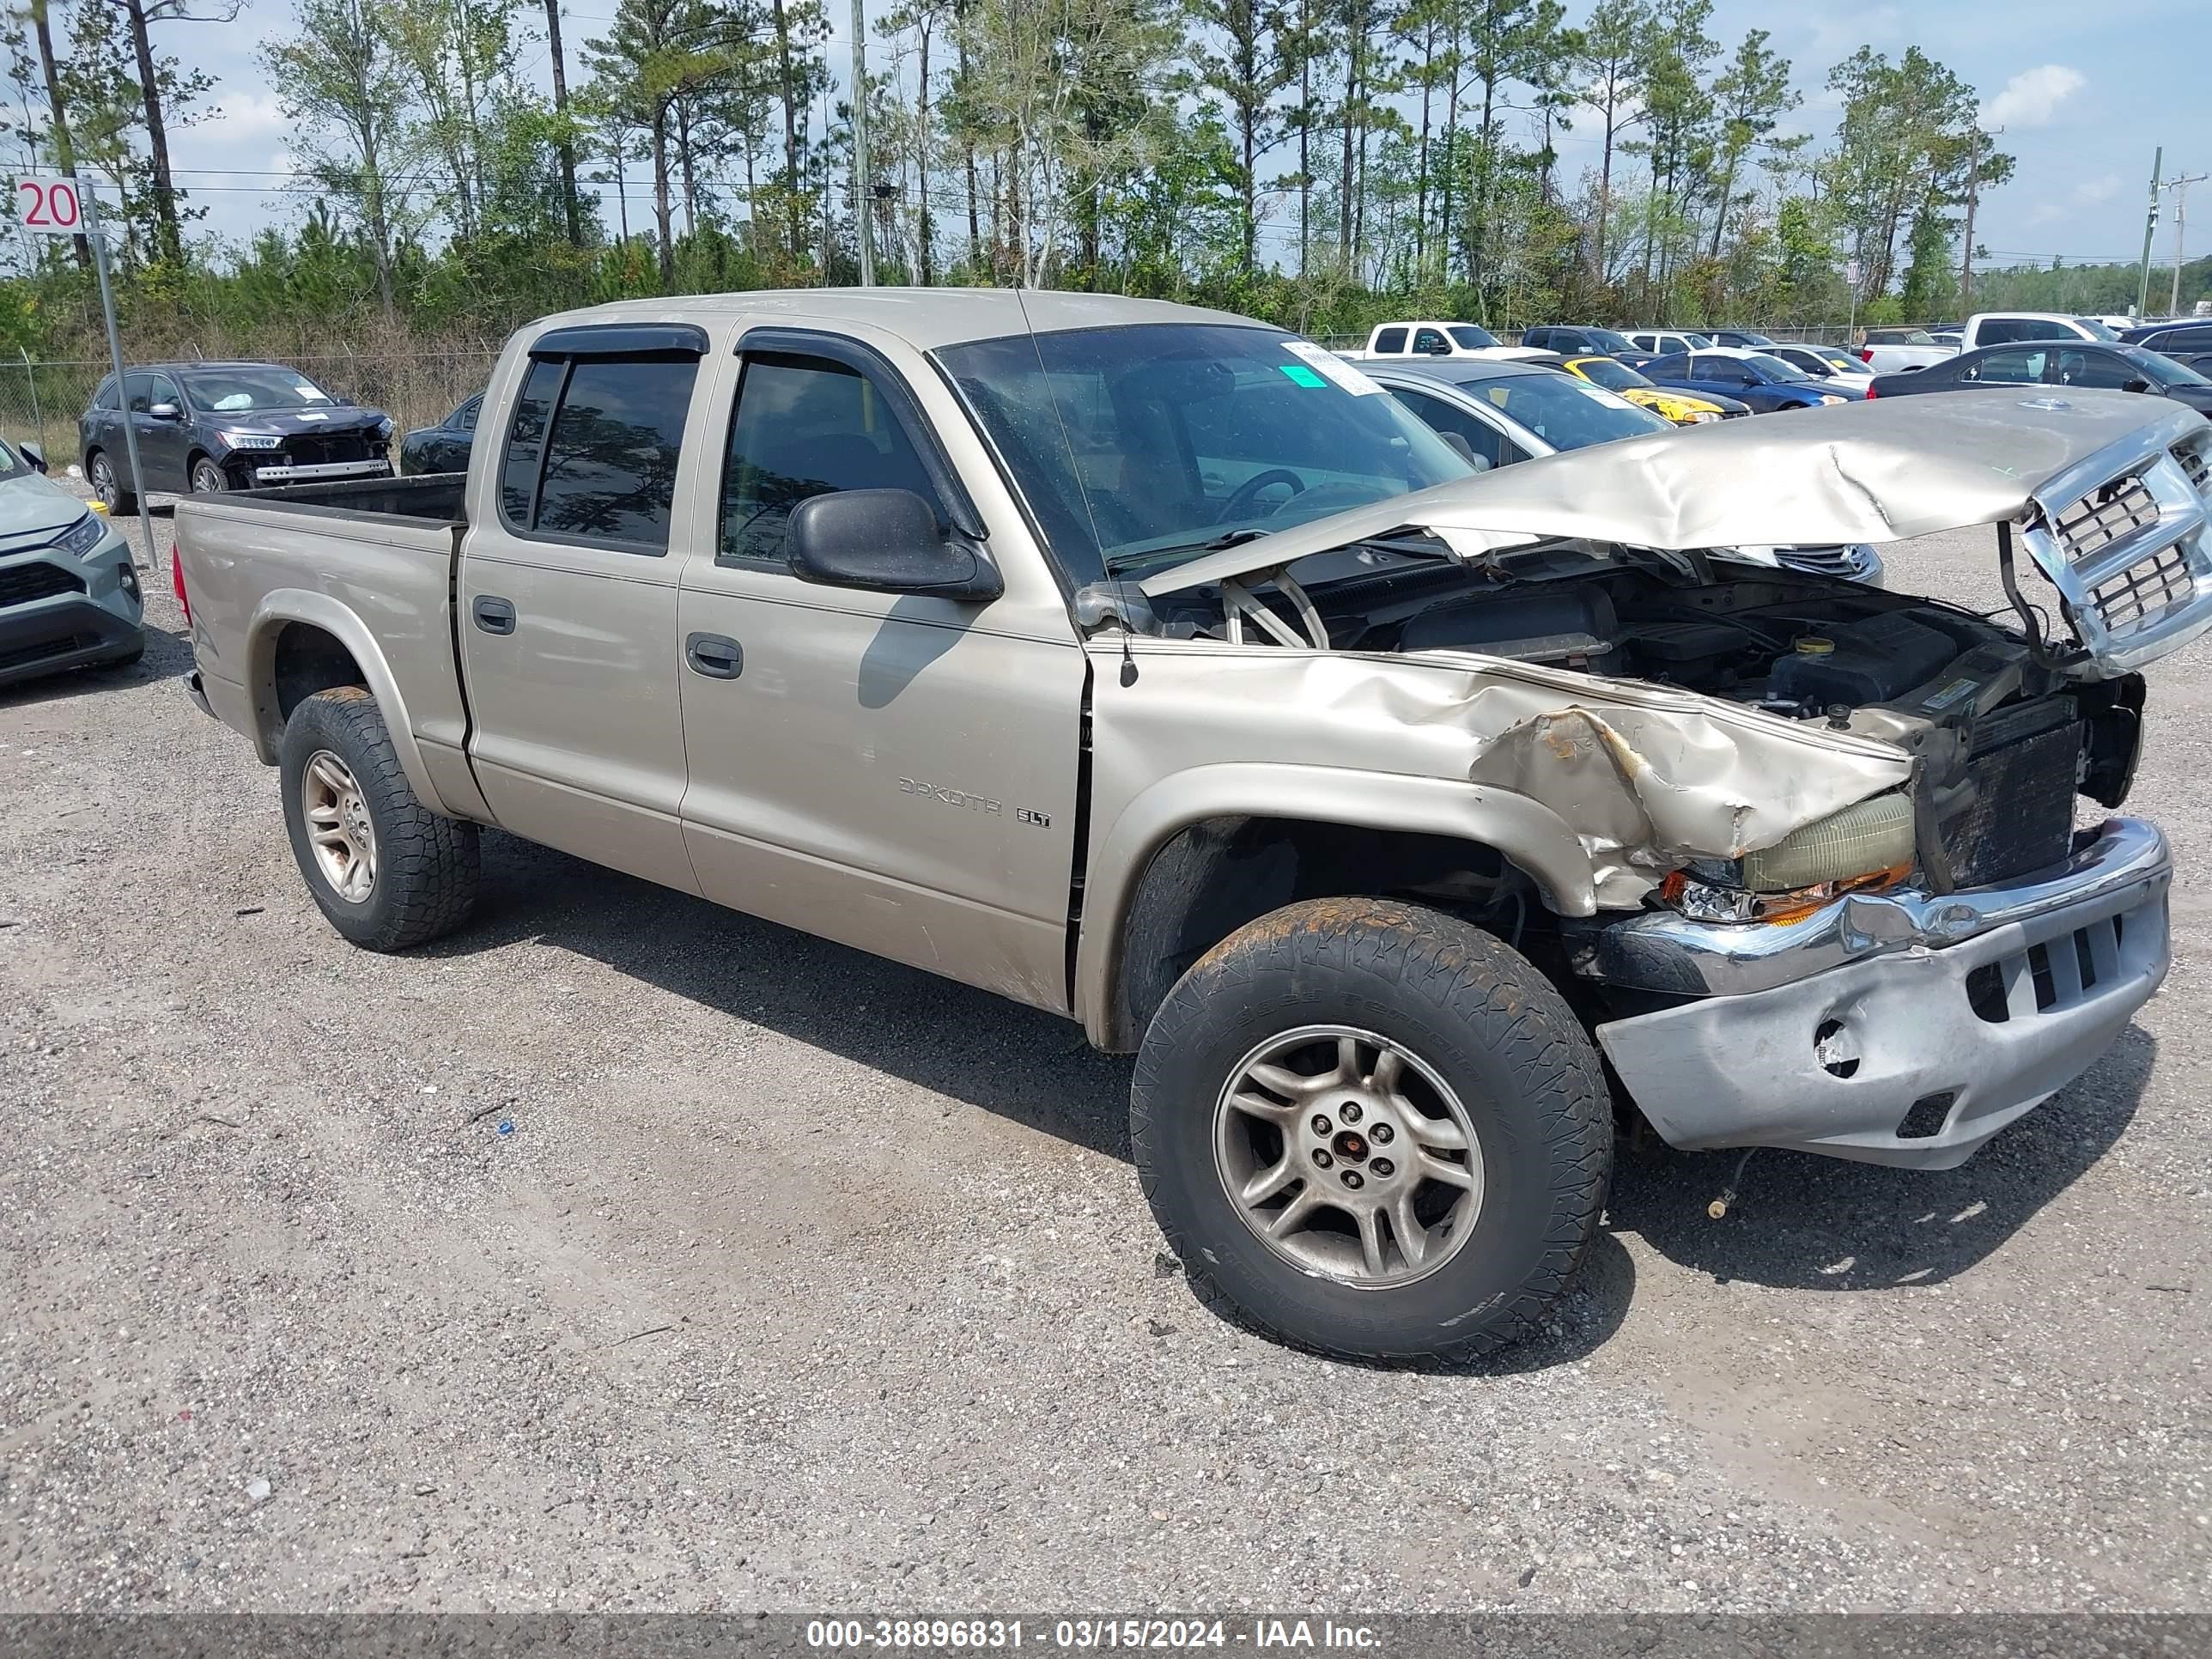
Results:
x,y
2021,368
1390,339
592,449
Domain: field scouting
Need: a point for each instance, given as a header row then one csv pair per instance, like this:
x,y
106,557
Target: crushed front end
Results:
x,y
1840,993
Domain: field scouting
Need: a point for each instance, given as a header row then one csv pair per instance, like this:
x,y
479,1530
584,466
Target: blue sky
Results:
x,y
2085,90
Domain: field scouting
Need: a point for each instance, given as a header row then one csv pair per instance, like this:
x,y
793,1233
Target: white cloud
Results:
x,y
2031,98
247,115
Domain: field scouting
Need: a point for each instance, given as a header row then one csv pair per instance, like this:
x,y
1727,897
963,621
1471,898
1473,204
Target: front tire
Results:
x,y
1371,1130
386,870
207,478
108,487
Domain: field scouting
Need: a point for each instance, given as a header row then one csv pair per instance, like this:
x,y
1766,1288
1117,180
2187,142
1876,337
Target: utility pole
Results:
x,y
863,201
2180,189
1974,199
2150,229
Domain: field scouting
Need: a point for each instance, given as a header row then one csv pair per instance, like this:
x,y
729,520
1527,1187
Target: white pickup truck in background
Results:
x,y
1901,350
1401,341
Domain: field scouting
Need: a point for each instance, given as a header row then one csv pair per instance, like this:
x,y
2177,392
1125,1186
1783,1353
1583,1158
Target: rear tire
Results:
x,y
1344,1058
386,870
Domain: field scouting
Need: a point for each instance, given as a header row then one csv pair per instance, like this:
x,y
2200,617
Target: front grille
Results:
x,y
22,583
2197,463
2063,972
61,645
320,450
2022,817
2102,517
2141,594
1823,560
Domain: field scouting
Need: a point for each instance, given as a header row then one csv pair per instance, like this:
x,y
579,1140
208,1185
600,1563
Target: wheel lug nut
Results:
x,y
1323,1158
1382,1133
1349,1111
1321,1126
1384,1166
1354,1180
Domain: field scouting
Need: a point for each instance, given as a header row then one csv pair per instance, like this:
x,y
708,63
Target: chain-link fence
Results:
x,y
40,402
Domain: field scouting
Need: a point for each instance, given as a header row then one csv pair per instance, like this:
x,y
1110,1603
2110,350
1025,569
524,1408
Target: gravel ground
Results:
x,y
803,1280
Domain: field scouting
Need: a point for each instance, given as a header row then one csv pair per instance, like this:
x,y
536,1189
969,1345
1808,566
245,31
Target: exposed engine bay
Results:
x,y
2004,739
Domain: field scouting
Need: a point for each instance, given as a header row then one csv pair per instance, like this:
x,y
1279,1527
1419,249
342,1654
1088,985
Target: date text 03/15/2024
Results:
x,y
1085,1634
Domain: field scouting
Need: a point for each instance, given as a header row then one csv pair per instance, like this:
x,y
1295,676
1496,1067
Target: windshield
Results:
x,y
1139,448
1471,338
2097,330
2163,371
229,391
1605,371
1605,340
1564,412
1899,336
1774,368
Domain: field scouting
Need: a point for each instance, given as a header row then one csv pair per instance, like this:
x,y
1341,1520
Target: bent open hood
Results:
x,y
1870,471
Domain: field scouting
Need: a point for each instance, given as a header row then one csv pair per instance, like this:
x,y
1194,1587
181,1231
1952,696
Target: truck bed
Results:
x,y
365,566
430,498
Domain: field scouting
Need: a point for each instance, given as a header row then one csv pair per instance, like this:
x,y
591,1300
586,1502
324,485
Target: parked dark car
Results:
x,y
2056,363
2187,341
1739,337
1581,341
226,426
1767,384
443,447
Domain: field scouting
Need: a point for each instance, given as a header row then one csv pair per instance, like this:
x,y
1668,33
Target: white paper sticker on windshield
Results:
x,y
1326,363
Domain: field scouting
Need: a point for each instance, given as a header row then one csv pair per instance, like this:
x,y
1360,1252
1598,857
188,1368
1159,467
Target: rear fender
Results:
x,y
289,605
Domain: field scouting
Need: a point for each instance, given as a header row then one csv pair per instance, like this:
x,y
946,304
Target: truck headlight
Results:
x,y
80,537
1866,846
253,440
383,428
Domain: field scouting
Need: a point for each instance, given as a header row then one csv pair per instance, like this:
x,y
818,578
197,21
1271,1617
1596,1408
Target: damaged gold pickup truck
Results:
x,y
1417,828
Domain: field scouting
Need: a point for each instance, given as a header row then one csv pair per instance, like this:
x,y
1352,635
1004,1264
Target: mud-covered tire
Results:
x,y
1488,1026
425,868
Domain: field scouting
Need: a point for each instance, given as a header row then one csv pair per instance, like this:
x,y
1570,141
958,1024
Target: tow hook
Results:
x,y
1719,1206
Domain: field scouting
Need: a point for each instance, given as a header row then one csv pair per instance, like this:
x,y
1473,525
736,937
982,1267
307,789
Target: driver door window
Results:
x,y
1429,340
2094,369
804,427
1723,371
1485,440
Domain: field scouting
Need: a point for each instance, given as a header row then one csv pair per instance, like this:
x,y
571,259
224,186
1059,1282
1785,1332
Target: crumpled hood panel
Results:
x,y
1870,471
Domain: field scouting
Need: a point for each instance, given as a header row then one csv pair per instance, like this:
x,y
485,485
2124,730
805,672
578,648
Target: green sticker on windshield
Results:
x,y
1300,374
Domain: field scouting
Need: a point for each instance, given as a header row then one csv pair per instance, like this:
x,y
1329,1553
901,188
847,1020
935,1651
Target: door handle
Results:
x,y
493,614
717,658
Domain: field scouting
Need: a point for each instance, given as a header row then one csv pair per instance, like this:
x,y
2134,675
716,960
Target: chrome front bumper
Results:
x,y
1947,1017
273,475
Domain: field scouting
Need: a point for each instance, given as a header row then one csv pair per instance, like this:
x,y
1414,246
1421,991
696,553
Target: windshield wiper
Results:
x,y
1220,544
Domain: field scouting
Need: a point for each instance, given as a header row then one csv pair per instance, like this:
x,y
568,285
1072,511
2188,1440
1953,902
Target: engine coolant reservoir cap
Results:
x,y
1812,645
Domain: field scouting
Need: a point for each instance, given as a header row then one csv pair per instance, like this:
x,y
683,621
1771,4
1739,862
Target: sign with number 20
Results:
x,y
49,207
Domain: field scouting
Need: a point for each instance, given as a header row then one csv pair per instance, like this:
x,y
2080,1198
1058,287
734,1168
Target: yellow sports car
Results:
x,y
1682,408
